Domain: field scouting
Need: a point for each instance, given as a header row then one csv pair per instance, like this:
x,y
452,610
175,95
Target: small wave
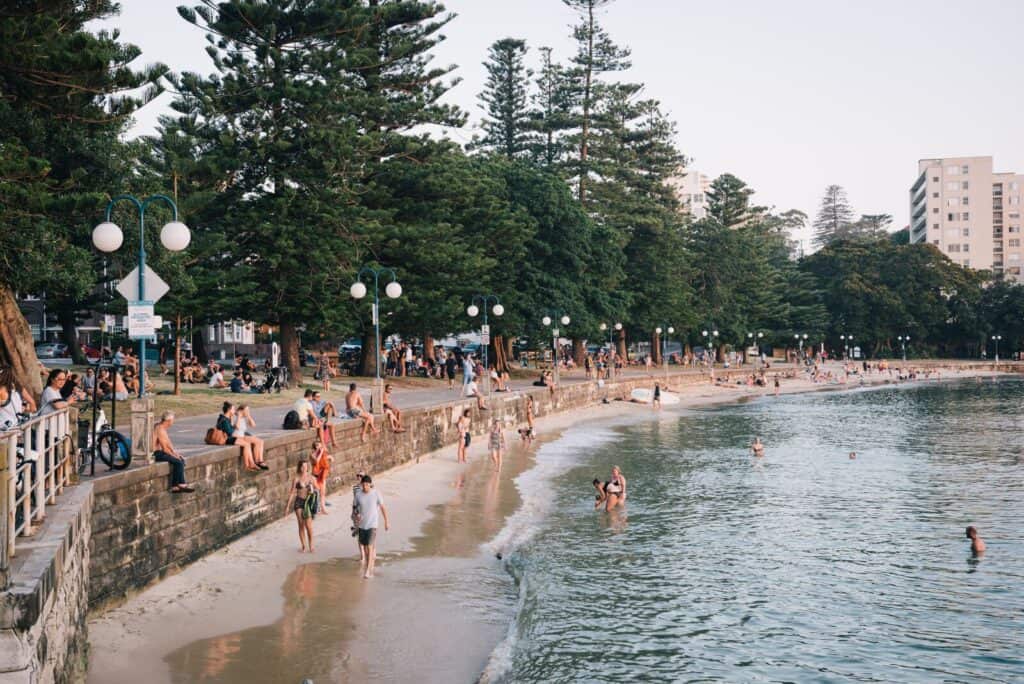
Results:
x,y
553,459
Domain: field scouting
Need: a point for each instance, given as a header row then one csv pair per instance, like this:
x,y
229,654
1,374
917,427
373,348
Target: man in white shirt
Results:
x,y
217,379
304,407
473,391
370,505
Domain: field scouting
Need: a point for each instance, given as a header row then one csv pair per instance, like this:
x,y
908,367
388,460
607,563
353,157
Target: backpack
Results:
x,y
312,505
292,421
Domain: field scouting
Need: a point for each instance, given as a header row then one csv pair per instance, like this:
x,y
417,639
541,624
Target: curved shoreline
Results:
x,y
240,586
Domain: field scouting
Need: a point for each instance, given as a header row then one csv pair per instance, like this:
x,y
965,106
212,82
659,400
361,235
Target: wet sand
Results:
x,y
260,611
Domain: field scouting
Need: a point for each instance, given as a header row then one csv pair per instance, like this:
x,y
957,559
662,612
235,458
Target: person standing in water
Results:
x,y
757,447
371,509
615,489
977,545
497,442
656,401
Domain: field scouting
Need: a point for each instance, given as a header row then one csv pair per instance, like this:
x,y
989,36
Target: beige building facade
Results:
x,y
691,187
970,212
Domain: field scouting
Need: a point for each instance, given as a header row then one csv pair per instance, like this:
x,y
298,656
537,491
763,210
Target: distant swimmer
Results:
x,y
853,455
977,545
757,447
656,401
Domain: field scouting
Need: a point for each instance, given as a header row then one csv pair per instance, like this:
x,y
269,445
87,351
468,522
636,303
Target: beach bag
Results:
x,y
215,436
312,505
292,421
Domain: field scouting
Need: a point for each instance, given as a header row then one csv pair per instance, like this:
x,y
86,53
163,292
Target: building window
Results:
x,y
213,333
1014,242
1014,186
952,201
1012,215
967,232
935,226
964,185
1013,229
1015,257
935,242
951,216
966,247
1014,270
965,169
967,263
952,185
935,195
935,179
952,233
1015,200
965,215
964,201
952,248
952,170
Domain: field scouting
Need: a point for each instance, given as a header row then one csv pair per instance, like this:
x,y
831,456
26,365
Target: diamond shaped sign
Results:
x,y
155,286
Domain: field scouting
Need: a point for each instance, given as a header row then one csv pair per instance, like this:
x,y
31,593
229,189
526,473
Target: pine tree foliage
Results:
x,y
507,124
835,217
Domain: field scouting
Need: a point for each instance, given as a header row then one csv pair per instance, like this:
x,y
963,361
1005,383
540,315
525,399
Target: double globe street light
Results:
x,y
485,334
995,338
668,329
710,338
174,236
750,341
393,290
611,346
903,339
547,321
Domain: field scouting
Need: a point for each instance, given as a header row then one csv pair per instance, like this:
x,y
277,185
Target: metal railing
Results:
x,y
38,467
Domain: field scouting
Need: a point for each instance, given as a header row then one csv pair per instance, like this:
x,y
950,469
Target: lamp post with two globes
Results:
x,y
175,236
996,339
710,339
393,290
554,339
611,347
668,330
750,341
485,336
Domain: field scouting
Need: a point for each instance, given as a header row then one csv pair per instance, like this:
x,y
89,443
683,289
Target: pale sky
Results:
x,y
790,95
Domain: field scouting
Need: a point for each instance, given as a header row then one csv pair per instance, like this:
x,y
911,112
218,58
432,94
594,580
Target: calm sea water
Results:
x,y
803,566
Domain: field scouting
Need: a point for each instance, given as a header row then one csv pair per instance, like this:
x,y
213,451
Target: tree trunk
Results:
x,y
17,348
579,351
428,346
290,352
368,358
621,350
199,345
656,348
69,333
499,354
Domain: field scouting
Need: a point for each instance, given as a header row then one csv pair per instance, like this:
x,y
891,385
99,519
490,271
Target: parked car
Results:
x,y
92,354
51,350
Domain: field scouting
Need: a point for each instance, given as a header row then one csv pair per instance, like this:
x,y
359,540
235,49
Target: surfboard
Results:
x,y
645,396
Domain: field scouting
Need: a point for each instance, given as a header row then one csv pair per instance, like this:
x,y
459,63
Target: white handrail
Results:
x,y
42,472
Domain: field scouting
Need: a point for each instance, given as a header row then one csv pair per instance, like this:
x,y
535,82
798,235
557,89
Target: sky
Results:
x,y
791,95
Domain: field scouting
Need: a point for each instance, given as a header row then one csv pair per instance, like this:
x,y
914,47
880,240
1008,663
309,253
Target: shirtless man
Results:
x,y
977,545
164,452
355,409
757,447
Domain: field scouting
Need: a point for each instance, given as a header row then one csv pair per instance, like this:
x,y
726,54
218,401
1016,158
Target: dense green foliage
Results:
x,y
317,147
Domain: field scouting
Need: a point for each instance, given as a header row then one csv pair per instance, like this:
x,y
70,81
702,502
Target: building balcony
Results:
x,y
919,182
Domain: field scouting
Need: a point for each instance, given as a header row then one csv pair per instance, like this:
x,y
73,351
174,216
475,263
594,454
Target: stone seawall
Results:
x,y
43,634
141,532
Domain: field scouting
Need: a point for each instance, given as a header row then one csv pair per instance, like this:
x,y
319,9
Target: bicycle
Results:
x,y
99,438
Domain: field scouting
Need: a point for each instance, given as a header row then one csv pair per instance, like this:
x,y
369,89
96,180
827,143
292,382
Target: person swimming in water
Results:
x,y
977,545
757,447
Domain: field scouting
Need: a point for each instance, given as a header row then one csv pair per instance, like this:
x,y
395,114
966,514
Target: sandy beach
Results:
x,y
258,610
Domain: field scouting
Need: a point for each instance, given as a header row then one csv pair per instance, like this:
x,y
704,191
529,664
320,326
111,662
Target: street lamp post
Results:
x,y
175,236
554,339
750,341
485,339
668,329
996,338
903,339
393,290
710,339
800,340
611,347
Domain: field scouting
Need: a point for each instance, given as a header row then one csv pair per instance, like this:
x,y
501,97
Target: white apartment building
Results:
x,y
971,213
691,187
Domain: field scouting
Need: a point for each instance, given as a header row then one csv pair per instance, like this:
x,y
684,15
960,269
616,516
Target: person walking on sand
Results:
x,y
497,442
302,488
464,436
321,460
371,509
977,545
355,409
776,385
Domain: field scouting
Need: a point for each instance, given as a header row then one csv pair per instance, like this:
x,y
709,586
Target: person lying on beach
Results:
x,y
757,447
977,545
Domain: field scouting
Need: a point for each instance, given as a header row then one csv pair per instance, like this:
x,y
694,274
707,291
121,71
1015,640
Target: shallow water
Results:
x,y
802,566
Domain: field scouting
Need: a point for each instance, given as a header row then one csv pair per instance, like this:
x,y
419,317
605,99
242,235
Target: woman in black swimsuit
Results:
x,y
615,489
302,486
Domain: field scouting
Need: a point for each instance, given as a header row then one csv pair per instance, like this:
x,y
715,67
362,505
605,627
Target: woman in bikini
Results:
x,y
321,460
615,489
464,436
302,486
391,411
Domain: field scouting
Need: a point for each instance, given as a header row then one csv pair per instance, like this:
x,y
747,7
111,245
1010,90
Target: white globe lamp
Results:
x,y
393,290
107,237
358,290
498,309
565,320
546,320
472,310
175,236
